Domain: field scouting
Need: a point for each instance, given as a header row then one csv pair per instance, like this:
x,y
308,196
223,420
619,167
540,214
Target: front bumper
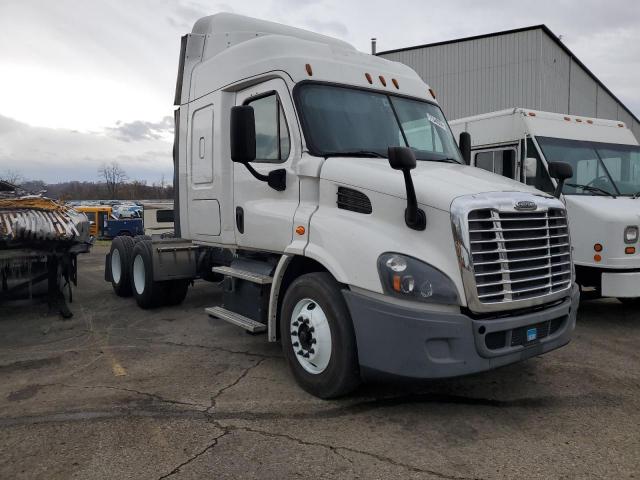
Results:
x,y
621,284
419,343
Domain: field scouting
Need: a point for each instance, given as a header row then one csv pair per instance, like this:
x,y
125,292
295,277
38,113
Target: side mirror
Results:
x,y
243,134
530,167
560,171
465,147
243,146
402,158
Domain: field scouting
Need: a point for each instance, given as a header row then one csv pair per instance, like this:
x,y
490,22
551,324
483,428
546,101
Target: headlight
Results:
x,y
411,279
631,234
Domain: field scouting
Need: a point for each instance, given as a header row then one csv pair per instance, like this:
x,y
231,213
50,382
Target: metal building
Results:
x,y
527,67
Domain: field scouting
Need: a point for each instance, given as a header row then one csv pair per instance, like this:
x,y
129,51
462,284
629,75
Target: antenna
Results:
x,y
373,45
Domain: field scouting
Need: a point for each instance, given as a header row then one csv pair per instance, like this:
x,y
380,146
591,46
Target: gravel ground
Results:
x,y
117,392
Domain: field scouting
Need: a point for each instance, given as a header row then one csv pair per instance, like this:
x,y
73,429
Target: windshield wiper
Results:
x,y
590,188
354,153
445,160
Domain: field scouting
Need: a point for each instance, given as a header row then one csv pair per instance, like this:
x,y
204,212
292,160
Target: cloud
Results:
x,y
98,78
141,130
55,155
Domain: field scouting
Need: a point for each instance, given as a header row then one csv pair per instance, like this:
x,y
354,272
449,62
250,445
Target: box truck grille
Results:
x,y
519,255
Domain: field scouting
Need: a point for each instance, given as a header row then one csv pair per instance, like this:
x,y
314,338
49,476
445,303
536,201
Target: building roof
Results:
x,y
542,27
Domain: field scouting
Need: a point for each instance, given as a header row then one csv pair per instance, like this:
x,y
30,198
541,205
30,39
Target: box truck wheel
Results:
x,y
120,255
630,300
148,294
317,334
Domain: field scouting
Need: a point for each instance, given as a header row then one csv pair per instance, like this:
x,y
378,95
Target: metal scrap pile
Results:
x,y
40,219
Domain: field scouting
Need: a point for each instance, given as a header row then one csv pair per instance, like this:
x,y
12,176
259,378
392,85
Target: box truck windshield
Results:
x,y
598,168
341,121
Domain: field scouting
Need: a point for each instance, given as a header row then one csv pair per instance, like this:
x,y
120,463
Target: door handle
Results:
x,y
240,219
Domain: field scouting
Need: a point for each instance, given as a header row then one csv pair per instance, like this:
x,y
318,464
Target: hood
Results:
x,y
612,211
437,184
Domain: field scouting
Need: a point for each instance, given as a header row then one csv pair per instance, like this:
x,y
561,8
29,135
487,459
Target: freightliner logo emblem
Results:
x,y
526,205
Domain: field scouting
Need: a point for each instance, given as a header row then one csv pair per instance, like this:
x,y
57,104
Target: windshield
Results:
x,y
608,167
352,121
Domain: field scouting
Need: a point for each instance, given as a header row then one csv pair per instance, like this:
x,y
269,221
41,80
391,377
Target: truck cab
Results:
x,y
601,197
323,187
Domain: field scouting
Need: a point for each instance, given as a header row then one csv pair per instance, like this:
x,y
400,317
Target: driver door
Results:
x,y
264,216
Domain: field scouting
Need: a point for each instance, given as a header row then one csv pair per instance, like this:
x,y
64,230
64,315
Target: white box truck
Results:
x,y
601,197
323,187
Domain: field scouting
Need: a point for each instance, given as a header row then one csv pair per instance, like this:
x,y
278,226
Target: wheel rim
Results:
x,y
138,274
116,267
310,336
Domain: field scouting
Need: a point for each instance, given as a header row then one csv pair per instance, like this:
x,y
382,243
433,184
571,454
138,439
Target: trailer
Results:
x,y
602,195
323,189
40,240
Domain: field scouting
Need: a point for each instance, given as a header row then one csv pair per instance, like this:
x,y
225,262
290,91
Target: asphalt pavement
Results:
x,y
121,393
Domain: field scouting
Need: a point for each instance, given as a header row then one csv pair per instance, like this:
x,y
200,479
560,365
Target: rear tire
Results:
x,y
148,294
322,353
120,254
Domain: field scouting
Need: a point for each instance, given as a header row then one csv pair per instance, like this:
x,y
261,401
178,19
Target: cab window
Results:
x,y
502,162
272,134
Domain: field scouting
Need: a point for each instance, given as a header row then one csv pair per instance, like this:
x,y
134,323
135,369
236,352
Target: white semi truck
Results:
x,y
602,196
323,187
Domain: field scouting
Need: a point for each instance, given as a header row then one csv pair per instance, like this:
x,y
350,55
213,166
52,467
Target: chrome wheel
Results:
x,y
139,274
310,336
116,266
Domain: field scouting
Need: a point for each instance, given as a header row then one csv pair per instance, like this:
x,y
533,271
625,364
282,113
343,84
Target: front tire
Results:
x,y
317,335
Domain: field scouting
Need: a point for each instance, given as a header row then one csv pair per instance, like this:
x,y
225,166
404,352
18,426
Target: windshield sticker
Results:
x,y
436,121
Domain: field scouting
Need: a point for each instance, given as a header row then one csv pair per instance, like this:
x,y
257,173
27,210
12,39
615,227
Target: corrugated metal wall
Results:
x,y
520,69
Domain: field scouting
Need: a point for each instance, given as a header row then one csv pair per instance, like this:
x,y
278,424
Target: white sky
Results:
x,y
88,81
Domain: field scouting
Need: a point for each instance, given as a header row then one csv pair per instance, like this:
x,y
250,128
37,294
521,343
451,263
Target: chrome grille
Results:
x,y
519,255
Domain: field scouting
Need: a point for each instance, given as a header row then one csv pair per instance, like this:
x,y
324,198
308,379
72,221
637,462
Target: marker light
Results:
x,y
300,230
568,119
597,247
382,81
578,120
630,250
395,83
532,114
597,257
631,234
308,69
433,93
368,77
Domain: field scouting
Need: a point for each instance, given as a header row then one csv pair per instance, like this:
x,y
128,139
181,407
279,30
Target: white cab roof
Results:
x,y
548,124
233,47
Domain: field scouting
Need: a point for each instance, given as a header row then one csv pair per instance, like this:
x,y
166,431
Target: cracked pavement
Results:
x,y
117,392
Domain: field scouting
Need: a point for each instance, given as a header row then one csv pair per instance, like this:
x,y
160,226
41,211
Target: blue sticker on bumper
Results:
x,y
532,334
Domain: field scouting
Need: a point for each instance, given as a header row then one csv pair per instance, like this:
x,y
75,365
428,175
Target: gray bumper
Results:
x,y
419,343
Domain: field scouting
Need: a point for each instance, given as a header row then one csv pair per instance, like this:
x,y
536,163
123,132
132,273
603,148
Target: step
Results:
x,y
237,319
252,277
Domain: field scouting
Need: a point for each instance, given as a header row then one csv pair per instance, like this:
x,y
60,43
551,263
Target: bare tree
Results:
x,y
12,176
114,176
